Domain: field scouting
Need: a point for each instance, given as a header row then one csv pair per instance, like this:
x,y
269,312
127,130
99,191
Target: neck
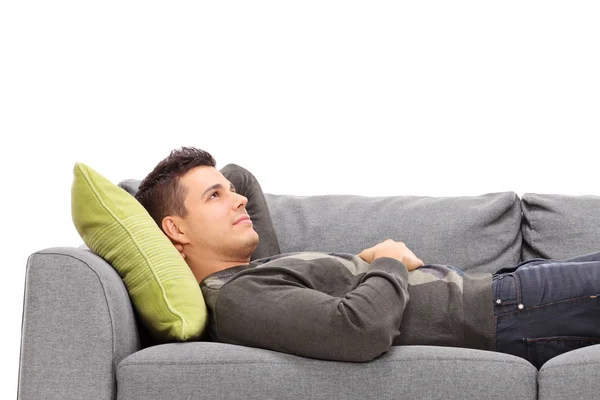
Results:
x,y
205,265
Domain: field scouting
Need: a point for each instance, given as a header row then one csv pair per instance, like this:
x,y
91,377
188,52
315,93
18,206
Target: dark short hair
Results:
x,y
160,192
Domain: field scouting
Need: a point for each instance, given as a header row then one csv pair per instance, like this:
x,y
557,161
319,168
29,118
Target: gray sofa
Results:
x,y
81,338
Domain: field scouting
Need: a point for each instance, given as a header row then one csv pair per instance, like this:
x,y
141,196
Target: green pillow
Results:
x,y
162,288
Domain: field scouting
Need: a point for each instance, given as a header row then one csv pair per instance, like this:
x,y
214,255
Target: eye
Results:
x,y
216,193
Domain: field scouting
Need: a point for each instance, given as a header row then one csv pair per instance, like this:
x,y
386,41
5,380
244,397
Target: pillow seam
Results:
x,y
84,174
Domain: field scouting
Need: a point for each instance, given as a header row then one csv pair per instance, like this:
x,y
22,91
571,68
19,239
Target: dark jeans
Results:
x,y
544,308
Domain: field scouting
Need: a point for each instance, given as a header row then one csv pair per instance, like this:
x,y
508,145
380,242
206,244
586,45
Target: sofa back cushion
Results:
x,y
560,226
474,233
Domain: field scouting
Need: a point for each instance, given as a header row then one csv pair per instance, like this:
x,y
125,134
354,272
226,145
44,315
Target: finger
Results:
x,y
366,255
363,255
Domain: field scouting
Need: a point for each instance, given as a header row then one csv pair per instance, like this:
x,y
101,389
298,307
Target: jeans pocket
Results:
x,y
506,290
540,350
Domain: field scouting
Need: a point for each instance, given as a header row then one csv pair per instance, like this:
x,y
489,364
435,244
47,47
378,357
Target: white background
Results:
x,y
315,97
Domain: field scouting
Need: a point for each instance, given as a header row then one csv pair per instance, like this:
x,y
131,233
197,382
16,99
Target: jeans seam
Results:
x,y
497,289
518,284
530,351
547,304
498,292
563,338
495,332
560,301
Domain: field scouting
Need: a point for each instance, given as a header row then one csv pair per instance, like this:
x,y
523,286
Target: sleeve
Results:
x,y
280,314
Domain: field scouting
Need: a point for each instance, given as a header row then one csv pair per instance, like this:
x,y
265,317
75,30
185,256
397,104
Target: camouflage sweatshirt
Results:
x,y
336,306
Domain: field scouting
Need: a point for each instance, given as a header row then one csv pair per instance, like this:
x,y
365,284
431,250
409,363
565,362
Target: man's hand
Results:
x,y
393,249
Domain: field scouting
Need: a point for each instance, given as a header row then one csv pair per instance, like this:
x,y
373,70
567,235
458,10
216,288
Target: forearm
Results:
x,y
359,326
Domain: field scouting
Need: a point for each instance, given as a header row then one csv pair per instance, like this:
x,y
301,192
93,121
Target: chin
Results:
x,y
250,241
253,243
253,236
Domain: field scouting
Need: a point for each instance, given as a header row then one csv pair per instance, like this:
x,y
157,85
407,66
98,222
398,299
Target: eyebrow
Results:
x,y
216,186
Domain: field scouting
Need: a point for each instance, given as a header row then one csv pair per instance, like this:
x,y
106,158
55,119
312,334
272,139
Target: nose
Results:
x,y
240,200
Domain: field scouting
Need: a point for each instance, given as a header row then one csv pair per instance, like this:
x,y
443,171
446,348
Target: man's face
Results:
x,y
214,209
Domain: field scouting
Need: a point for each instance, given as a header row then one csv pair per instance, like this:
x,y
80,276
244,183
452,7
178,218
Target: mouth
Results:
x,y
244,219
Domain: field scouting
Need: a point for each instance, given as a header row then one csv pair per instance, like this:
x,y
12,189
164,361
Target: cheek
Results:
x,y
198,222
213,219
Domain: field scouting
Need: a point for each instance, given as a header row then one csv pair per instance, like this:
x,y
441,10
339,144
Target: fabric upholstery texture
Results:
x,y
131,186
80,339
473,233
221,371
560,226
114,225
573,375
78,324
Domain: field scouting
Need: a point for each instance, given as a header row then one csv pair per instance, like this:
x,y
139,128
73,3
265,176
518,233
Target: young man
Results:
x,y
354,307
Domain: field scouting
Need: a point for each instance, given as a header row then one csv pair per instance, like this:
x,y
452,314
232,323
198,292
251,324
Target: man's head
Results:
x,y
197,207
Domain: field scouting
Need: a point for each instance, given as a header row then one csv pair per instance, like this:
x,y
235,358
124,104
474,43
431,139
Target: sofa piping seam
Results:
x,y
307,363
576,364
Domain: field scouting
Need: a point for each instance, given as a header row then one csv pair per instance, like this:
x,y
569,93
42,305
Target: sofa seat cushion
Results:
x,y
474,233
221,371
572,375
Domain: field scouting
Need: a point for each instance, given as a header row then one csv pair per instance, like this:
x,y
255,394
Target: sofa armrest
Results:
x,y
78,324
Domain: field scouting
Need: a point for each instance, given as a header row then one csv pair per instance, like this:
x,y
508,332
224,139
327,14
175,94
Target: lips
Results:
x,y
244,217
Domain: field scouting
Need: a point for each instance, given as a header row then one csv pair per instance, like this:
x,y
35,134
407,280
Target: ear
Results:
x,y
172,227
